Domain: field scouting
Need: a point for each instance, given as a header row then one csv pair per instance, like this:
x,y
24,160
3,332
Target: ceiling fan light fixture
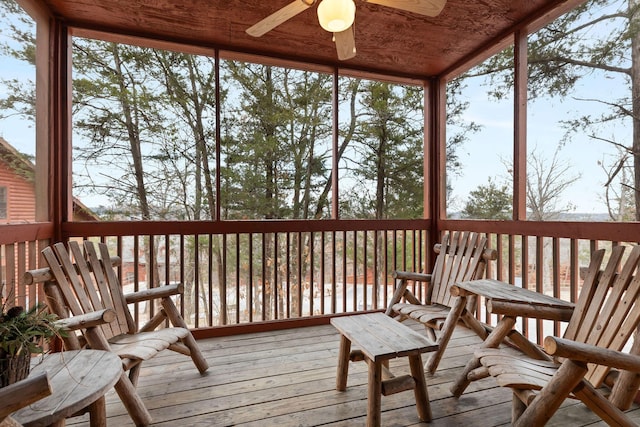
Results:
x,y
336,15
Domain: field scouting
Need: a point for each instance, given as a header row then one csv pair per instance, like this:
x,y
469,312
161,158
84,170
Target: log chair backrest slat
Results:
x,y
88,284
607,312
461,257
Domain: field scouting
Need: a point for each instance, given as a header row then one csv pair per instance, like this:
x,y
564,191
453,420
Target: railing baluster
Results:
x,y
288,281
574,264
209,297
299,275
311,259
344,271
237,278
334,274
250,282
323,242
196,279
222,273
365,282
274,285
556,275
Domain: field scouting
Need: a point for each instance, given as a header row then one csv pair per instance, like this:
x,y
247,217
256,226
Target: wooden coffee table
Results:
x,y
79,379
379,338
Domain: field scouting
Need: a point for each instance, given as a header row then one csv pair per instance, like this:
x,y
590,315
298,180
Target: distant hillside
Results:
x,y
571,216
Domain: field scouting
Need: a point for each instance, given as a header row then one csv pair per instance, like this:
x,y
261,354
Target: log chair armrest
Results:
x,y
87,320
588,353
155,293
515,309
490,254
408,275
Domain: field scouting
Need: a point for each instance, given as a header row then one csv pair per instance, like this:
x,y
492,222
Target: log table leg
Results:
x,y
98,413
375,394
420,390
343,363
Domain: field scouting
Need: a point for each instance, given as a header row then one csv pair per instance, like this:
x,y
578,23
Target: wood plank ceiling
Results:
x,y
389,41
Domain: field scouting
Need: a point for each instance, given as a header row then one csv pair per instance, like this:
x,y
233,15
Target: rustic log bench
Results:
x,y
379,338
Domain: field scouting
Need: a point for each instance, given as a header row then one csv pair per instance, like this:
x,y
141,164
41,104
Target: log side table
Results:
x,y
379,338
79,379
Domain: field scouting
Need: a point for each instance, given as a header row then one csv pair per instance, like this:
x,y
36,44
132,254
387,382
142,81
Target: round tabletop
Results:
x,y
78,378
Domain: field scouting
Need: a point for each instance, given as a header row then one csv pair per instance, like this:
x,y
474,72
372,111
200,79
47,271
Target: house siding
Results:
x,y
21,205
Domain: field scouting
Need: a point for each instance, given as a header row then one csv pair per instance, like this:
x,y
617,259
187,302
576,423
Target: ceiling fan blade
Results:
x,y
422,7
345,44
278,17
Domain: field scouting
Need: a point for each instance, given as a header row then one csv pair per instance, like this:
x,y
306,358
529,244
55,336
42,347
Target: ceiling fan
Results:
x,y
337,16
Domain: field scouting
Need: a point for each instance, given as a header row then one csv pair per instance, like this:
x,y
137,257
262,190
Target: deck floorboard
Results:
x,y
287,378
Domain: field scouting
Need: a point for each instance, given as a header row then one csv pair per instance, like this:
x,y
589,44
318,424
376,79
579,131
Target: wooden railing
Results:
x,y
20,246
256,271
251,272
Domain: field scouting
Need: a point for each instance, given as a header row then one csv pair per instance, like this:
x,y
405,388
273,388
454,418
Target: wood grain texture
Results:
x,y
389,40
78,379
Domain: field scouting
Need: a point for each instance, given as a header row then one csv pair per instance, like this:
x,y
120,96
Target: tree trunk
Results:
x,y
635,99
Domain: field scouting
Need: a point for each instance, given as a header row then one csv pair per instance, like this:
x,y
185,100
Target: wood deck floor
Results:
x,y
287,378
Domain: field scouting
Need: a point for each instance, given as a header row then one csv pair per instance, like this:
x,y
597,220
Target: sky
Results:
x,y
485,154
17,131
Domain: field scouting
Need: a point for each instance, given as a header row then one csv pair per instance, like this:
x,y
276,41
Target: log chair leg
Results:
x,y
176,319
493,341
374,398
132,402
517,407
134,374
549,399
601,406
125,389
431,334
445,334
626,386
420,389
343,363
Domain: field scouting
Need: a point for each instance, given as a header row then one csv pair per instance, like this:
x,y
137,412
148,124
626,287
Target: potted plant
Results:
x,y
22,333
